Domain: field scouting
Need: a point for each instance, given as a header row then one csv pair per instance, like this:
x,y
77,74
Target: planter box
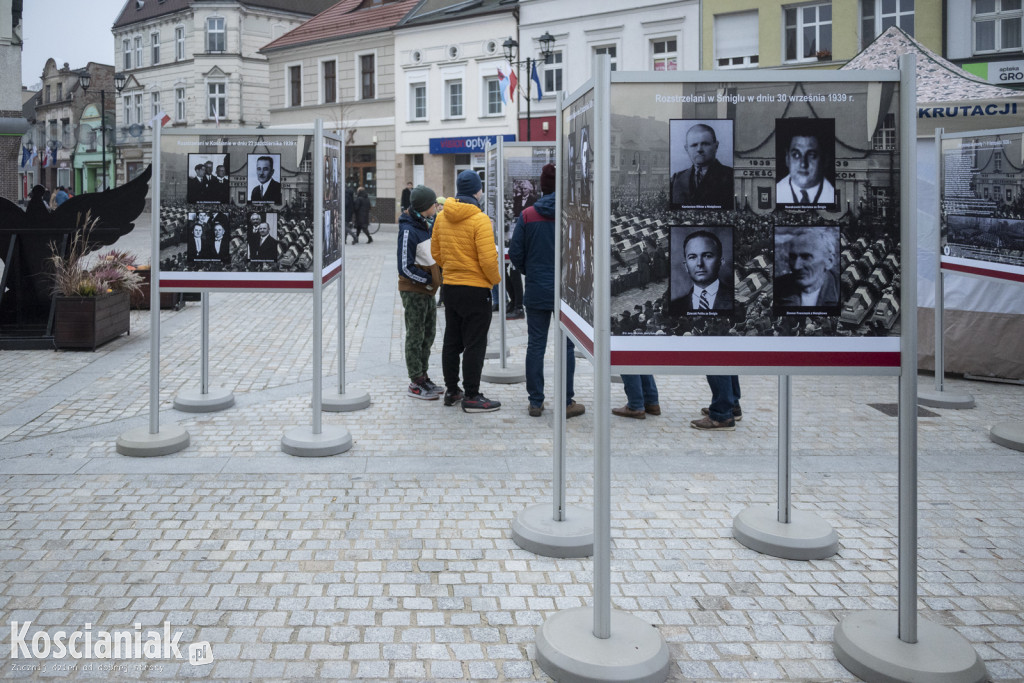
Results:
x,y
168,300
85,322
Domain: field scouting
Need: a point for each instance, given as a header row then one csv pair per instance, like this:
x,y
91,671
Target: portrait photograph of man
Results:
x,y
265,178
262,238
701,281
806,271
805,152
700,163
204,185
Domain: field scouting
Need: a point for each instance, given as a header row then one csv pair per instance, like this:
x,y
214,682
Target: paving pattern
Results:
x,y
394,561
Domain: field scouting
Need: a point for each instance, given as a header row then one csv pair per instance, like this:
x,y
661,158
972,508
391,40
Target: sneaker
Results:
x,y
479,404
430,385
737,414
652,409
535,411
708,424
574,409
453,397
417,389
626,411
515,314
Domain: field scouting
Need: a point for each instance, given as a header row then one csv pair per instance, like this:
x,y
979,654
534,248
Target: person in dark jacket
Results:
x,y
418,281
361,215
532,252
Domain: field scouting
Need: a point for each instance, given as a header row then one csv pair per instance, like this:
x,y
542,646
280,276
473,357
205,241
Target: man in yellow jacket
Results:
x,y
463,245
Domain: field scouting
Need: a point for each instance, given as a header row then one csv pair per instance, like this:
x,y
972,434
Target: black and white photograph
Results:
x,y
264,178
805,152
262,239
577,233
701,282
206,240
208,181
806,270
700,164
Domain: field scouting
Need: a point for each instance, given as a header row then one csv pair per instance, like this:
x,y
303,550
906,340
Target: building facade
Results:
x,y
992,48
198,61
13,124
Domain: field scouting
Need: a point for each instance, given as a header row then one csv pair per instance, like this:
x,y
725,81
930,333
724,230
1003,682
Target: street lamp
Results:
x,y
511,47
85,80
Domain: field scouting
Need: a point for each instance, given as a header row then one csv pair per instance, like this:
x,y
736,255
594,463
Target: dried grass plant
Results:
x,y
74,275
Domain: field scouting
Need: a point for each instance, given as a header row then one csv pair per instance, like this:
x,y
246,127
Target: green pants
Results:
x,y
420,326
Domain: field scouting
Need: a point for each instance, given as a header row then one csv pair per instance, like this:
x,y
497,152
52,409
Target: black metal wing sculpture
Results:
x,y
25,237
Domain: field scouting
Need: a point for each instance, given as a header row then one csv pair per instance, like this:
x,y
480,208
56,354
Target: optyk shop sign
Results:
x,y
471,145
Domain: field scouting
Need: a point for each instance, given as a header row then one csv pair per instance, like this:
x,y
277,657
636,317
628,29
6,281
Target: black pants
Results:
x,y
359,229
467,316
514,285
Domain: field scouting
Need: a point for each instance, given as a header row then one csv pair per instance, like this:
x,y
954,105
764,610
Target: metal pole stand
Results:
x,y
1008,434
782,531
204,399
152,440
304,442
342,401
883,646
504,373
555,529
569,652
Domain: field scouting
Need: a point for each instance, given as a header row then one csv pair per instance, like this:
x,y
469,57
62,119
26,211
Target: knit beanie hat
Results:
x,y
468,183
422,198
547,179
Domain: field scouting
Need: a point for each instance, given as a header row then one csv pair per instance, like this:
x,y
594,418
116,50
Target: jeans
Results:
x,y
725,394
538,323
467,316
641,391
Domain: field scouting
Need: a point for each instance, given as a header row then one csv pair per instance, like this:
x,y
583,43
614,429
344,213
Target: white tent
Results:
x,y
984,319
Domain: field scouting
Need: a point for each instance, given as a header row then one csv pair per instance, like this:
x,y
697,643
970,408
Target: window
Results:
x,y
876,16
60,92
126,53
154,105
127,102
664,55
453,93
736,40
216,100
179,104
138,108
65,132
138,52
295,86
47,94
179,43
808,32
417,101
611,52
330,81
885,137
154,48
492,92
367,77
216,35
552,72
998,162
997,25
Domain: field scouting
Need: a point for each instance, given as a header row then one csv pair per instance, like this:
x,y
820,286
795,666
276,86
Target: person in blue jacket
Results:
x,y
419,278
532,252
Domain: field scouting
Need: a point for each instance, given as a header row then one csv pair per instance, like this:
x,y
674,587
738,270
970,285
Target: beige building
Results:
x,y
198,61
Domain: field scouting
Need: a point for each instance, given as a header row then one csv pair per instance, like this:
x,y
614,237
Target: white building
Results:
x,y
199,62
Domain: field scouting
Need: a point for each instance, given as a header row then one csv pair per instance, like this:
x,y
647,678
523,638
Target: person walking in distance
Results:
x,y
463,246
361,215
532,252
418,281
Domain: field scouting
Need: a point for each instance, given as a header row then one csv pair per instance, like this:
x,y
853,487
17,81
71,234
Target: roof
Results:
x,y
938,80
131,13
431,11
347,18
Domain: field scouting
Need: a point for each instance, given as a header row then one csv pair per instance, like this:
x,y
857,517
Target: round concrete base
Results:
x,y
303,442
139,443
345,403
806,537
568,652
944,399
510,374
494,354
195,401
534,530
868,645
1009,434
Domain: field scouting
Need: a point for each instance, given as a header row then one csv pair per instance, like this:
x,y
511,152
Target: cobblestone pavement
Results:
x,y
394,561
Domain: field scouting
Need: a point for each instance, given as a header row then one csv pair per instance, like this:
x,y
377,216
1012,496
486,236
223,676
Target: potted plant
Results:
x,y
92,302
823,55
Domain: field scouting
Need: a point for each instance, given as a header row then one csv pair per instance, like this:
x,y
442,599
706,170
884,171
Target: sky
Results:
x,y
72,31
